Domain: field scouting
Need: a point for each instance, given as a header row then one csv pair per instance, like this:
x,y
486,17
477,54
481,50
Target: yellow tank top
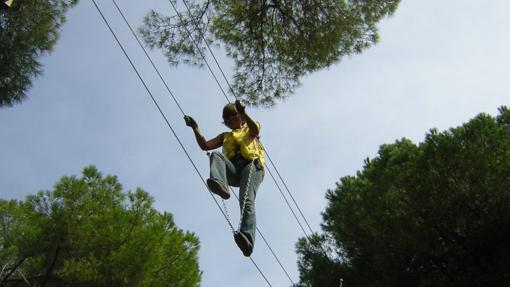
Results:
x,y
239,141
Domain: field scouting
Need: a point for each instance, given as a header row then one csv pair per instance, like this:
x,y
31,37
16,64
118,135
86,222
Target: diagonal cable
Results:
x,y
177,103
149,58
154,100
233,93
201,54
267,244
169,125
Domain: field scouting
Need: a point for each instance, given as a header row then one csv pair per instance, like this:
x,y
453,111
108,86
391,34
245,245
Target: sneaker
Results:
x,y
243,243
218,188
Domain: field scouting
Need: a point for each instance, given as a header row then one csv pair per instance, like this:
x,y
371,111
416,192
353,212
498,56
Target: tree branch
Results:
x,y
5,279
263,44
276,5
50,268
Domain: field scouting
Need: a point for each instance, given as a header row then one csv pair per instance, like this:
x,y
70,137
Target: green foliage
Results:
x,y
433,214
87,232
319,263
29,29
273,43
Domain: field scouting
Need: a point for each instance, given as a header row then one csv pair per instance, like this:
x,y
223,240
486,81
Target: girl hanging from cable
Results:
x,y
240,164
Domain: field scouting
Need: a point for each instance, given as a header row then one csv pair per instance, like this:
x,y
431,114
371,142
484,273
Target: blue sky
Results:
x,y
437,65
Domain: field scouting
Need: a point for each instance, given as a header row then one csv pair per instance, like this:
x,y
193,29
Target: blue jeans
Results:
x,y
236,172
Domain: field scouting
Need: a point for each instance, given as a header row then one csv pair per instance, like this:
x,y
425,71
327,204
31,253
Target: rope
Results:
x,y
267,153
200,51
210,51
223,91
288,191
164,83
154,100
180,108
233,93
260,271
178,105
148,57
288,204
168,124
267,244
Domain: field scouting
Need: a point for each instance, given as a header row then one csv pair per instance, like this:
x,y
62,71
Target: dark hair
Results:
x,y
228,111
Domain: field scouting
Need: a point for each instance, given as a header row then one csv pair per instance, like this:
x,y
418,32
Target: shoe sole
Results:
x,y
243,243
217,188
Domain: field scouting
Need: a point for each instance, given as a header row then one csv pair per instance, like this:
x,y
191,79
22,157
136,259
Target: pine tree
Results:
x,y
29,29
273,43
433,214
88,232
